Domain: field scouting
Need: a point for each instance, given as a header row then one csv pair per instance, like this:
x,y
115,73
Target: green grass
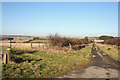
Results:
x,y
39,41
0,69
43,64
110,50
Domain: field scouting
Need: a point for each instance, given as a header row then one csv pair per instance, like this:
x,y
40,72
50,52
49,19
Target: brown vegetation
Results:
x,y
56,40
112,42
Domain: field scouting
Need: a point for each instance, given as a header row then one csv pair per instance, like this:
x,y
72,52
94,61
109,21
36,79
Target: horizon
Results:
x,y
54,34
72,19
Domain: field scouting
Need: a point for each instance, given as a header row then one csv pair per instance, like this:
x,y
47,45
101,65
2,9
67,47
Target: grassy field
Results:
x,y
23,45
110,50
43,64
39,41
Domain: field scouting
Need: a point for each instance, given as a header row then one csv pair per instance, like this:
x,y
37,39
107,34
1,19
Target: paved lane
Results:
x,y
0,62
102,66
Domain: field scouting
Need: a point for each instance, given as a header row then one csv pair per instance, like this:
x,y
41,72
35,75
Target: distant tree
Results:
x,y
36,38
106,37
54,40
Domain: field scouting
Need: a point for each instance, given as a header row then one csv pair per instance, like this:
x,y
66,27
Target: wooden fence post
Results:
x,y
39,45
31,45
60,48
70,46
8,55
46,46
43,47
5,59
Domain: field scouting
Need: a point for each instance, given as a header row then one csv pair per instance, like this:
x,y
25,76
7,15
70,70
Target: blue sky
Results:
x,y
75,19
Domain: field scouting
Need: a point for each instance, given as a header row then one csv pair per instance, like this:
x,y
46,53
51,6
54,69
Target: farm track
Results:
x,y
102,66
0,62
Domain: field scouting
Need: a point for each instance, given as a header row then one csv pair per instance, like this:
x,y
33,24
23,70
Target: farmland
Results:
x,y
17,39
42,58
57,56
39,41
23,45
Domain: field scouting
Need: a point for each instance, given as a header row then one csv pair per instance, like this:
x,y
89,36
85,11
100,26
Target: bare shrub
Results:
x,y
54,40
112,42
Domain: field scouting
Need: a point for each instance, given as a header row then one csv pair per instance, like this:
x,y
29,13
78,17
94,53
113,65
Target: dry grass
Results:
x,y
111,50
23,45
41,47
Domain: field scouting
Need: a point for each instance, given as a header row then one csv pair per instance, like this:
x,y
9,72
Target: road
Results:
x,y
102,66
0,62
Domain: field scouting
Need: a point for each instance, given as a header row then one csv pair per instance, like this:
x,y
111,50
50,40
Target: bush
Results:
x,y
56,40
108,49
112,42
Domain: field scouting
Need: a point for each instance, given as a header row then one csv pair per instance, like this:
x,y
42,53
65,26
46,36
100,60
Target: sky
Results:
x,y
75,19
